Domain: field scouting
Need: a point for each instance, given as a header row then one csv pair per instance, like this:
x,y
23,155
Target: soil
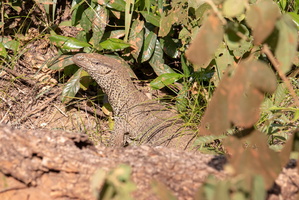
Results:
x,y
30,96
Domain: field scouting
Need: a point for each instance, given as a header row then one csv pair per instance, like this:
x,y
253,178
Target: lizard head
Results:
x,y
94,63
106,71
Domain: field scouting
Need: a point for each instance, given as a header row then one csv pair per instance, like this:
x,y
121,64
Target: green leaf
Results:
x,y
157,61
170,47
223,60
67,42
99,23
114,44
283,4
71,87
78,10
165,80
12,45
280,94
295,18
233,8
287,42
136,37
85,80
60,62
149,46
129,9
235,43
259,190
151,18
222,191
3,51
87,18
116,4
185,67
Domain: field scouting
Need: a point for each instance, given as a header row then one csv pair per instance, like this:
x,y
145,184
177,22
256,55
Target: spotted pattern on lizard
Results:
x,y
138,120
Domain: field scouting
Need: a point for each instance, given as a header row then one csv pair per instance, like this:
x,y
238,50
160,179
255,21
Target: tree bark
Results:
x,y
44,164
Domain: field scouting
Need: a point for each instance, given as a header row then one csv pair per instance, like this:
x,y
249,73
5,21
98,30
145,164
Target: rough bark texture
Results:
x,y
43,164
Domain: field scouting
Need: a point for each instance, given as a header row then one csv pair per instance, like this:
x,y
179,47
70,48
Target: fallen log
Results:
x,y
51,164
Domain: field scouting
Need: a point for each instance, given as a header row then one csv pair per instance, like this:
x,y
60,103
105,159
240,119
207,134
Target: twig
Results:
x,y
276,65
60,111
90,110
215,9
45,105
16,74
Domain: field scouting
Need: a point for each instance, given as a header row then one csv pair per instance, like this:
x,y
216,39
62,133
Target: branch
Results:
x,y
276,65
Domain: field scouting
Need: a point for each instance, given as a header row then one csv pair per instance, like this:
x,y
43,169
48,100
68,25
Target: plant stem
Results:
x,y
276,65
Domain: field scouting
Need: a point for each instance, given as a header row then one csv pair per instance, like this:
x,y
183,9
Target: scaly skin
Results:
x,y
138,120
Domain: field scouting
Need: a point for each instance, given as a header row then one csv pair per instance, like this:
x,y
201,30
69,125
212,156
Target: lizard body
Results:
x,y
138,120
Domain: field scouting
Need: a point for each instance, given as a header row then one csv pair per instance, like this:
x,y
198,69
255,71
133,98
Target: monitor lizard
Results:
x,y
138,120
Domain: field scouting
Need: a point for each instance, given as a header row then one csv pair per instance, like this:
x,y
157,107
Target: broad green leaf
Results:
x,y
85,80
151,18
258,190
170,47
99,23
185,67
223,60
181,101
177,15
87,18
78,10
287,42
157,61
136,37
200,11
116,4
60,62
82,36
165,80
114,44
280,94
71,87
67,42
235,43
114,34
65,23
295,18
129,9
283,4
3,51
149,46
166,23
222,191
206,42
261,17
233,8
12,45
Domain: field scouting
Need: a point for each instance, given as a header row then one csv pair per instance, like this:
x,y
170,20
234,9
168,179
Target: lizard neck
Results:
x,y
123,95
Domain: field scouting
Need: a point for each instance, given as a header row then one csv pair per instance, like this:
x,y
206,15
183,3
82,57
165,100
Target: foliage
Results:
x,y
246,49
116,184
